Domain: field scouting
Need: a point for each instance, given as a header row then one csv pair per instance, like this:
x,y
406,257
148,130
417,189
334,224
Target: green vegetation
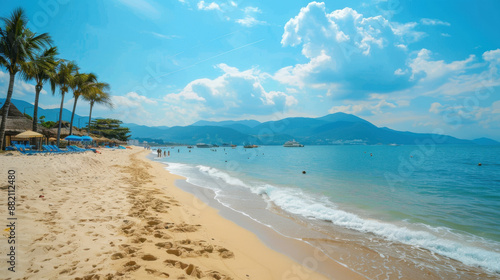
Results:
x,y
40,69
18,45
33,56
27,116
45,124
110,128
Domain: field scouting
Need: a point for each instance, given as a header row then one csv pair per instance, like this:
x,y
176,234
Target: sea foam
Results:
x,y
298,202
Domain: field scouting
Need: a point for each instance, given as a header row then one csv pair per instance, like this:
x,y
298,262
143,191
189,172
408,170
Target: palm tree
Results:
x,y
82,83
40,69
98,94
63,79
17,45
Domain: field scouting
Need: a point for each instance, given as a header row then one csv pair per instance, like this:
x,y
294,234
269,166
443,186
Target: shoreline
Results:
x,y
247,229
119,215
298,250
365,253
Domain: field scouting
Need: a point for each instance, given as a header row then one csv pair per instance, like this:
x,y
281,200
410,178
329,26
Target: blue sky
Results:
x,y
422,66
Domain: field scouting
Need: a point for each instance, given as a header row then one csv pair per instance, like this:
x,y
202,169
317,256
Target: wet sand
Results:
x,y
117,215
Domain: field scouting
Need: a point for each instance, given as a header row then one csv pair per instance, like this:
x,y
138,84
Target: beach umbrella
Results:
x,y
73,138
87,138
52,139
28,134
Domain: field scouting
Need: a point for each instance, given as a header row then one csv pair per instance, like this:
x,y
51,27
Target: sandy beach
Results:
x,y
118,215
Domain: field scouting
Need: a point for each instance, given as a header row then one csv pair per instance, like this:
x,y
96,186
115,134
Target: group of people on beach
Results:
x,y
159,151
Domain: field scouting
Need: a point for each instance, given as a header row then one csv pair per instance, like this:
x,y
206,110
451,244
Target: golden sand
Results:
x,y
117,215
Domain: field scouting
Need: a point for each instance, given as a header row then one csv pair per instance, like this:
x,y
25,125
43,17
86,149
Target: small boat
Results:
x,y
250,146
190,147
293,144
202,145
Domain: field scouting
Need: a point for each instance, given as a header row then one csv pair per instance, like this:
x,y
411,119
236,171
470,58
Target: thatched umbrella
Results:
x,y
16,123
29,134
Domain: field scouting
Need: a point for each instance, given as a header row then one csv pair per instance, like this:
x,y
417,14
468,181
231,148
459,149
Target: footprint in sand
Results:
x,y
117,256
131,266
185,228
194,271
157,273
149,257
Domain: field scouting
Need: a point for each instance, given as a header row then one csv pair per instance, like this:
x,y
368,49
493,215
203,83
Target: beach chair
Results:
x,y
47,149
50,149
72,149
22,149
59,150
76,149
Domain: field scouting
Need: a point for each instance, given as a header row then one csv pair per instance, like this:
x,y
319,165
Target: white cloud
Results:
x,y
400,72
140,98
21,88
364,107
495,107
298,75
429,21
131,100
252,10
435,108
143,7
208,6
492,56
232,94
423,64
249,19
347,50
163,36
131,107
468,78
407,31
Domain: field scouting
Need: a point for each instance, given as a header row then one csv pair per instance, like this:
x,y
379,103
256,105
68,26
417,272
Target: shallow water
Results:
x,y
384,211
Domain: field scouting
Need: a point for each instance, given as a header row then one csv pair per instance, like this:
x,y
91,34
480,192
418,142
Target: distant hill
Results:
x,y
249,123
485,141
338,128
342,117
50,114
143,131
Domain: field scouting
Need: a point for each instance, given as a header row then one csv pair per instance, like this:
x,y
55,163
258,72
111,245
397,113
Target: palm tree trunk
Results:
x,y
38,88
72,116
60,119
6,109
90,116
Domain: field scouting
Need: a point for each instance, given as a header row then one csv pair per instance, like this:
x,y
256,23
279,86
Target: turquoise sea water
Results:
x,y
436,198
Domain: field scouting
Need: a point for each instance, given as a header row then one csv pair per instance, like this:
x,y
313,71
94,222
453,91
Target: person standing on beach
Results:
x,y
158,152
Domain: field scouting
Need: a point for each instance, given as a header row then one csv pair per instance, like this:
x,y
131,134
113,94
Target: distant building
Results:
x,y
133,142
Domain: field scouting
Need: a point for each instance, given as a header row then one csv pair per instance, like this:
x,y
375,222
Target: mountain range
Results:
x,y
50,114
338,128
